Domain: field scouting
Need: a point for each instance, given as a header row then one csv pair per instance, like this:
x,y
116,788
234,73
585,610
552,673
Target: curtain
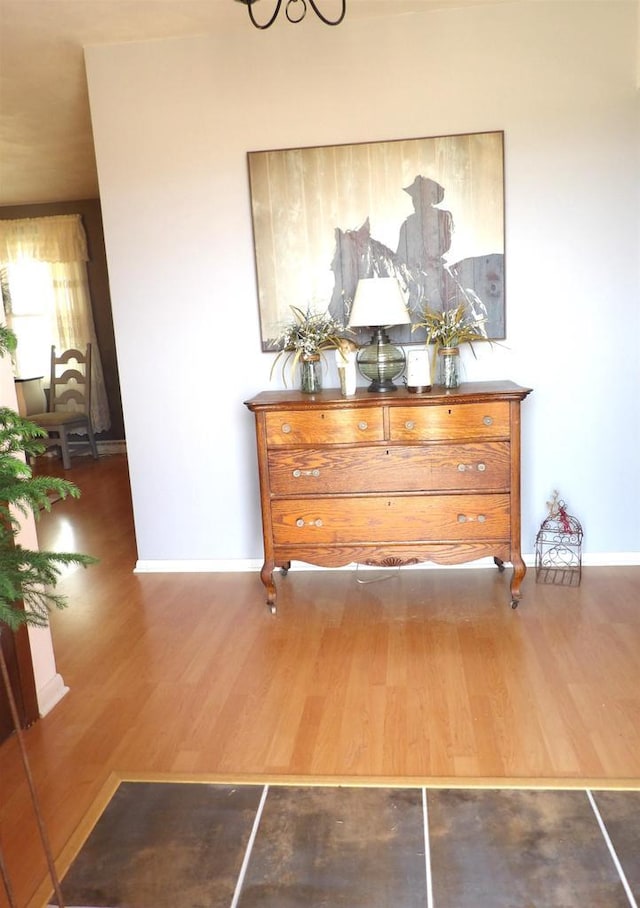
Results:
x,y
61,309
52,239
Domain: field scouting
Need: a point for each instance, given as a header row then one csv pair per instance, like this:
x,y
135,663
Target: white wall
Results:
x,y
173,121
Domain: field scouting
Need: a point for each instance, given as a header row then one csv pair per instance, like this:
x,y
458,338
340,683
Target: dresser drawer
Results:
x,y
300,427
377,519
304,471
443,423
478,466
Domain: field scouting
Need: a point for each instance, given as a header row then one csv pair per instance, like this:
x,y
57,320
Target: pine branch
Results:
x,y
27,578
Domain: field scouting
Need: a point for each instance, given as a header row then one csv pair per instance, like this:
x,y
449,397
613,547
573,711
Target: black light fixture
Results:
x,y
295,11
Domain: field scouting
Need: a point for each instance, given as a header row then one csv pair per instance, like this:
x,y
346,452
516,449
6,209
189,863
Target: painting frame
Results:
x,y
429,211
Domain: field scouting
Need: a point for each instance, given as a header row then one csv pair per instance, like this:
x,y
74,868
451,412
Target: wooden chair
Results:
x,y
68,413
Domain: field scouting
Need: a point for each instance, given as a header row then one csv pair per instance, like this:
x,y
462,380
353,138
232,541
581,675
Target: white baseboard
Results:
x,y
250,565
197,566
611,559
112,447
51,694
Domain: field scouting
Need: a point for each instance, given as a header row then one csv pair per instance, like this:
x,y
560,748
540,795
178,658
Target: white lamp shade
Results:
x,y
378,301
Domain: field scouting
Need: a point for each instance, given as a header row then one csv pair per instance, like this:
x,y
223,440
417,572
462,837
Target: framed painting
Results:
x,y
427,211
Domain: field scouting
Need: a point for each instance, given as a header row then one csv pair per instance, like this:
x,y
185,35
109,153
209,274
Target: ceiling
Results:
x,y
46,145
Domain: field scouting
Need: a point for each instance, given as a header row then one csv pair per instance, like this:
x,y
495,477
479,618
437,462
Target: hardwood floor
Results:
x,y
427,675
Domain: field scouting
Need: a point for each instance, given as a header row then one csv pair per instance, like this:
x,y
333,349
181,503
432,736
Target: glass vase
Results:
x,y
310,374
449,367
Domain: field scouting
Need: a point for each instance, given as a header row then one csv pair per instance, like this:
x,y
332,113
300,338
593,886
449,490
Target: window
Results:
x,y
30,312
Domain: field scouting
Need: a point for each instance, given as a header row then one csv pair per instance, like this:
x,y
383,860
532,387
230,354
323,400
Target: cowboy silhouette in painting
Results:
x,y
425,239
420,264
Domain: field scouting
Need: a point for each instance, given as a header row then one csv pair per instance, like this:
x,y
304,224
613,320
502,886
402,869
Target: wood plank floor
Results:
x,y
427,675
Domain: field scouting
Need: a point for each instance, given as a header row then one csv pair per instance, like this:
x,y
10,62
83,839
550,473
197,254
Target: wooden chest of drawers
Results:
x,y
390,479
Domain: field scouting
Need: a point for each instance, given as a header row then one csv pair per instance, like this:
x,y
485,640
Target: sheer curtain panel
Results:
x,y
45,265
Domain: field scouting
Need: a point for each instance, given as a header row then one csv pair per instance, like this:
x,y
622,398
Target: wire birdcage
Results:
x,y
559,547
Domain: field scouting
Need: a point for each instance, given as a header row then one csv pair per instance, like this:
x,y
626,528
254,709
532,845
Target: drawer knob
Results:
x,y
462,518
363,424
286,428
298,473
312,523
487,420
410,424
481,467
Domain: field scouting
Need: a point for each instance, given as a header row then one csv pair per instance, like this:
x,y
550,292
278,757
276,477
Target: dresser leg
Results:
x,y
499,563
266,575
519,570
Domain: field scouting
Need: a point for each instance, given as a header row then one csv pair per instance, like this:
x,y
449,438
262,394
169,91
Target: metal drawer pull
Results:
x,y
481,467
286,428
487,420
409,424
312,523
298,473
463,518
363,425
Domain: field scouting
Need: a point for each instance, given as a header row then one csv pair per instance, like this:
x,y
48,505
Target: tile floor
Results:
x,y
204,845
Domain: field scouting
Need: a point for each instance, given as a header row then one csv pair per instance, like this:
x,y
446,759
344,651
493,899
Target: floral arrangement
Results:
x,y
558,511
308,334
446,331
451,328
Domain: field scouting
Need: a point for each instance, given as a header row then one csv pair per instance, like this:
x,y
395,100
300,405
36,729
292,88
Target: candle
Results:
x,y
418,377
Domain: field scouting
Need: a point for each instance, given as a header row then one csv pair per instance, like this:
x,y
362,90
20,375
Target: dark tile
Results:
x,y
181,845
620,812
519,849
166,845
355,847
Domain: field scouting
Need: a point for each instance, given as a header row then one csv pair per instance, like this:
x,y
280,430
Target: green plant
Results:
x,y
27,577
309,333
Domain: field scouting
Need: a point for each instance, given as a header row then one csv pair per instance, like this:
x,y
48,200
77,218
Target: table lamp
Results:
x,y
378,303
